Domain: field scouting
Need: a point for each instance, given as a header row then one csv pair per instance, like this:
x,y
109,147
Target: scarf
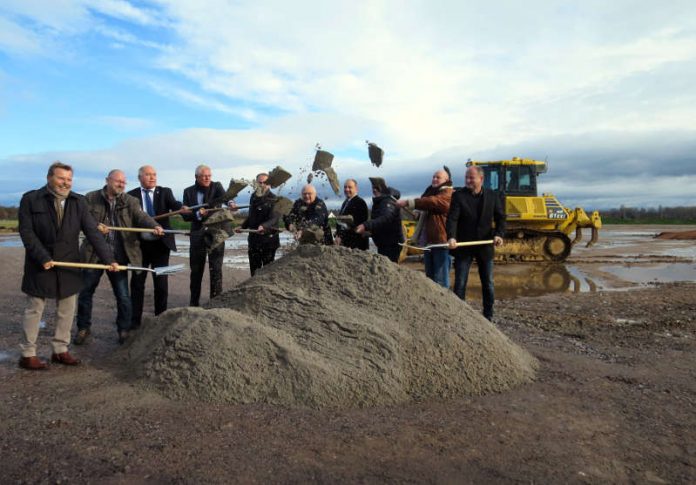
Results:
x,y
58,203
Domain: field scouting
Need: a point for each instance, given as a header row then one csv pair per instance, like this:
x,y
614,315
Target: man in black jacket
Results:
x,y
473,211
262,218
353,206
154,200
385,223
309,218
50,221
204,191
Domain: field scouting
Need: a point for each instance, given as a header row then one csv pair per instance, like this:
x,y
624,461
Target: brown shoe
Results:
x,y
32,363
65,358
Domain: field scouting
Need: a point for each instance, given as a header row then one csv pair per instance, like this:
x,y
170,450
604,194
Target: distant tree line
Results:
x,y
8,212
650,215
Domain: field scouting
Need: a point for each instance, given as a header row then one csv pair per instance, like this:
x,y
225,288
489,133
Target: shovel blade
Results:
x,y
235,187
278,176
166,270
322,160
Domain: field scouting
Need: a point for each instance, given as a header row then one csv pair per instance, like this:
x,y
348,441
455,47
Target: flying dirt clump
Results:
x,y
328,327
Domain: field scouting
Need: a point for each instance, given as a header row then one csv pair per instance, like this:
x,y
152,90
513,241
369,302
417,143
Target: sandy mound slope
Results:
x,y
326,326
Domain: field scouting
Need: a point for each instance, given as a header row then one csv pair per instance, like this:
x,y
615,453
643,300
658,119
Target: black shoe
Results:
x,y
135,326
81,336
122,336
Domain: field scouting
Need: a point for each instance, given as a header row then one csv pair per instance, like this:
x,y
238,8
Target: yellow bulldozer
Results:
x,y
539,227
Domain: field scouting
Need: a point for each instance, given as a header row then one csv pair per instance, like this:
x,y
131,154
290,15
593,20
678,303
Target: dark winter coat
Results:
x,y
128,213
44,241
261,213
163,202
385,223
464,224
315,214
356,207
213,196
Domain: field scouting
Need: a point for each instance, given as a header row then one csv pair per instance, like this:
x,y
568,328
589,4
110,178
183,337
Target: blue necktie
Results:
x,y
148,203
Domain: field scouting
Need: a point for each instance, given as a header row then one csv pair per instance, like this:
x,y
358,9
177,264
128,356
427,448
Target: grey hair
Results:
x,y
200,168
351,180
58,164
142,169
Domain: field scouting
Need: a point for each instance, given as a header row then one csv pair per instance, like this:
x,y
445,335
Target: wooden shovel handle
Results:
x,y
87,265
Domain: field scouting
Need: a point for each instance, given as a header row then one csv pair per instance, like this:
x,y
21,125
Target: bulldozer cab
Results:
x,y
516,177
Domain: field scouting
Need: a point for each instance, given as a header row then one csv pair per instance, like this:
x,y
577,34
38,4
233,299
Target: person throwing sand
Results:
x,y
50,221
309,218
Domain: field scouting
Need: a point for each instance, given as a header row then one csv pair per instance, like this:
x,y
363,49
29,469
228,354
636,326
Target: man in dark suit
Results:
x,y
354,206
204,191
155,200
472,212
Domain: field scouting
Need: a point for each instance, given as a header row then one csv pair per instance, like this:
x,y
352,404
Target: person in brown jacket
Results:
x,y
433,206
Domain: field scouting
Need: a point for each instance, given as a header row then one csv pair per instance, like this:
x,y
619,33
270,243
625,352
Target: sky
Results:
x,y
604,91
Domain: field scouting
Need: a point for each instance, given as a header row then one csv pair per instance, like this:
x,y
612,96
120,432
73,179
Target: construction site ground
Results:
x,y
613,401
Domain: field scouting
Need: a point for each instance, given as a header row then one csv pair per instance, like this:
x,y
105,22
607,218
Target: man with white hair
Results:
x,y
155,200
309,217
203,191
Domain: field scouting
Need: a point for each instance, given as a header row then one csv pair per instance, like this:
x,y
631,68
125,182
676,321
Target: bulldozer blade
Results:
x,y
235,187
322,160
278,176
375,153
594,238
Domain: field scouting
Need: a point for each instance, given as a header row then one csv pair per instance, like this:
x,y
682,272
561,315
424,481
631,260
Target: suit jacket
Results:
x,y
461,220
163,202
213,197
356,207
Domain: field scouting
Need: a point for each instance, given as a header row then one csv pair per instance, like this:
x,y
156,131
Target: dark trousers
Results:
x,y
119,284
391,251
198,254
462,264
155,255
260,256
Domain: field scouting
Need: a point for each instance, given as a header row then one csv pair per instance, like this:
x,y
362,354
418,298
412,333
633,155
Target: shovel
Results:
x,y
173,213
375,153
161,271
278,176
146,230
445,245
235,187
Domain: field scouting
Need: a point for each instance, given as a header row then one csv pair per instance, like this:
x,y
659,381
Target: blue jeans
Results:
x,y
462,263
119,284
437,265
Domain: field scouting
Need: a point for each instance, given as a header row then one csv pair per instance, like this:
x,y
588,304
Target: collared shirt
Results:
x,y
147,193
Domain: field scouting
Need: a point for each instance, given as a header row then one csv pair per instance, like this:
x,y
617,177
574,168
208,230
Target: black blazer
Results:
x,y
163,201
356,207
213,197
461,220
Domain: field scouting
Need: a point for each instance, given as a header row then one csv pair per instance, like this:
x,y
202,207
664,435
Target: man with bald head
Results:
x,y
308,216
433,207
155,200
112,207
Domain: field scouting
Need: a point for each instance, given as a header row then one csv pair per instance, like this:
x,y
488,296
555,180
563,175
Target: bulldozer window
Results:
x,y
519,180
491,178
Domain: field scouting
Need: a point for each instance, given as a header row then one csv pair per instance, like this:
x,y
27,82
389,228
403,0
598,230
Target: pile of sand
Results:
x,y
327,326
682,235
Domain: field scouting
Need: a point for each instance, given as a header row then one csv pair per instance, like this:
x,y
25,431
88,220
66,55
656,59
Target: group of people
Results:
x,y
52,217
